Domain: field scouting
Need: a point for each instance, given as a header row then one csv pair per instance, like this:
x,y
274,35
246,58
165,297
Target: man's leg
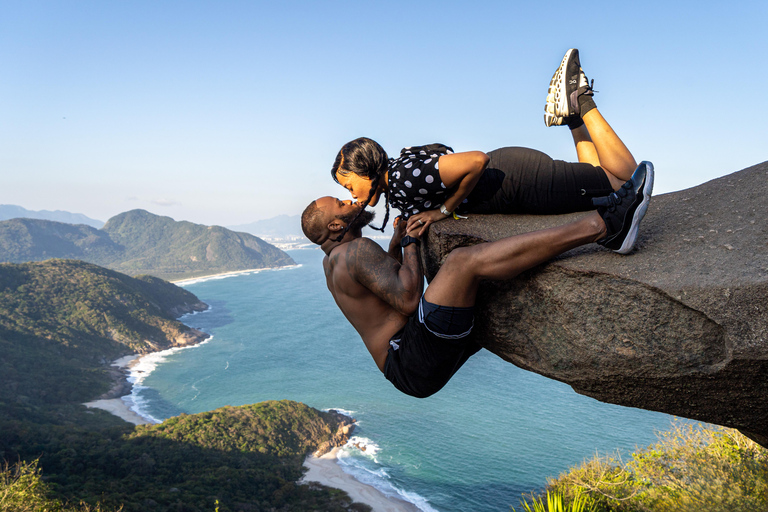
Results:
x,y
456,282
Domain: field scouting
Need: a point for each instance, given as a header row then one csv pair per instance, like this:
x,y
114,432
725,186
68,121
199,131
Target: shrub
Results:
x,y
690,468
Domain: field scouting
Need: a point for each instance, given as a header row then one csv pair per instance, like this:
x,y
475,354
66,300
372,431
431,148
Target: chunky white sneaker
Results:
x,y
567,84
556,107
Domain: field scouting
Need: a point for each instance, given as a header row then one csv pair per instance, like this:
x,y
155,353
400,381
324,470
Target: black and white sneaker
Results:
x,y
623,210
567,84
556,107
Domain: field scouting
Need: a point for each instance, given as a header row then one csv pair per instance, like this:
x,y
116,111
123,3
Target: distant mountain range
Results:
x,y
285,227
11,211
139,242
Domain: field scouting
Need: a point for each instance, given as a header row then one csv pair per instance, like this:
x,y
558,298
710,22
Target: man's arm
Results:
x,y
394,244
398,284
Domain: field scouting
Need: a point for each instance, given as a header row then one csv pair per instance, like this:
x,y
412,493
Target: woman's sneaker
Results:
x,y
567,84
556,107
623,210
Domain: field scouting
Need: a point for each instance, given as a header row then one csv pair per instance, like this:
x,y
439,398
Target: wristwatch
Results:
x,y
445,211
408,240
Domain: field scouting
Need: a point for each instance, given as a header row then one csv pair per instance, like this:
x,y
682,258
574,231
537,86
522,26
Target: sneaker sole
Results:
x,y
557,99
631,238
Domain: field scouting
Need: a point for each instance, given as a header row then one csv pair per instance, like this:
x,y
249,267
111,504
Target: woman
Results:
x,y
430,183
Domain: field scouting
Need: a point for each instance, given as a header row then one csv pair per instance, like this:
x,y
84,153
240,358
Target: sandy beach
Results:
x,y
116,405
119,408
324,470
223,275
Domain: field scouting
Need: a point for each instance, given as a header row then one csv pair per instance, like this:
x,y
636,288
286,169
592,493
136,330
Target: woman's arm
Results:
x,y
459,172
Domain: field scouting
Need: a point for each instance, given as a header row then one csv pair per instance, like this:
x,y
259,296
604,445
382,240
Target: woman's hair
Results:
x,y
366,158
362,156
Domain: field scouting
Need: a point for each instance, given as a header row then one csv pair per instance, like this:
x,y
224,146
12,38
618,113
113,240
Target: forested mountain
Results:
x,y
61,320
61,323
24,240
12,211
139,242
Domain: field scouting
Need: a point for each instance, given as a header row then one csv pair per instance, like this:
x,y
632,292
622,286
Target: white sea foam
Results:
x,y
225,275
139,371
363,445
193,313
368,471
345,412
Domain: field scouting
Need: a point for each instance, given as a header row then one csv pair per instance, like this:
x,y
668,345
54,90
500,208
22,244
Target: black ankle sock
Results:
x,y
586,103
574,122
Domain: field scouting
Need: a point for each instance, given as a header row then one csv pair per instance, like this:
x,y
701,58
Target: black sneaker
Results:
x,y
623,210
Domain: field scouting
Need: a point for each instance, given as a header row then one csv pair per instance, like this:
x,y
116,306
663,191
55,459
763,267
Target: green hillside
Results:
x,y
70,317
61,323
23,240
171,249
139,242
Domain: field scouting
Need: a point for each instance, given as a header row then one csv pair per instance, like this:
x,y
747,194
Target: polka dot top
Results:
x,y
414,180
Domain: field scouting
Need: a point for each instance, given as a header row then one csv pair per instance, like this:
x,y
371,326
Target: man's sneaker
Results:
x,y
567,84
623,210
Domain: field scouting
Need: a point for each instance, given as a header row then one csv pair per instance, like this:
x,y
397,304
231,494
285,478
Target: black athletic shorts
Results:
x,y
523,180
430,349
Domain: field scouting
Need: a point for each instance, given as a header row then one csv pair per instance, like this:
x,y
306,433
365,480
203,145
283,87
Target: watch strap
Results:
x,y
408,240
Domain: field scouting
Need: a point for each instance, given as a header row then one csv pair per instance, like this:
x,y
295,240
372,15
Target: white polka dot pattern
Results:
x,y
414,180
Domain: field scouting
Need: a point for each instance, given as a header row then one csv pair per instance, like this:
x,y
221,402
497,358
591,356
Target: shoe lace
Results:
x,y
589,89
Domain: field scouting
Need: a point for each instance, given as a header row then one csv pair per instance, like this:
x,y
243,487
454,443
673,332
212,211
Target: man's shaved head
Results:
x,y
315,219
313,225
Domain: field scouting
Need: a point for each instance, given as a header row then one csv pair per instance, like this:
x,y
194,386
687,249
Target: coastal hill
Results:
x,y
139,242
678,326
61,323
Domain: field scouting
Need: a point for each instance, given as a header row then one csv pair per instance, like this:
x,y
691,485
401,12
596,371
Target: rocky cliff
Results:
x,y
678,326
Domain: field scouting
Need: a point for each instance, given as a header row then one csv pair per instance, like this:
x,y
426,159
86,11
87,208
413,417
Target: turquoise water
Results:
x,y
494,432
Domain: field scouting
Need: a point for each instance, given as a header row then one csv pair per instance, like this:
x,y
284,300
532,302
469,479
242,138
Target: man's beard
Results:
x,y
357,220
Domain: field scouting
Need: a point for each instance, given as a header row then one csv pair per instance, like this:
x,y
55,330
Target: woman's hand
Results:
x,y
421,221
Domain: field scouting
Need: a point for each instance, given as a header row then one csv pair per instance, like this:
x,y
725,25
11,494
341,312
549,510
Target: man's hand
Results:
x,y
394,244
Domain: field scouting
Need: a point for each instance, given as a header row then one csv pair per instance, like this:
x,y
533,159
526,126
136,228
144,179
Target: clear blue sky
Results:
x,y
229,112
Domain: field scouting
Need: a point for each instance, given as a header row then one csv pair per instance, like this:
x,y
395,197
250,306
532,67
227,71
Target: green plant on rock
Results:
x,y
556,503
691,468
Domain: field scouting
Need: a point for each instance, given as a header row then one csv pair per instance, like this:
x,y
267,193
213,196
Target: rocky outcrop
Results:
x,y
678,326
345,427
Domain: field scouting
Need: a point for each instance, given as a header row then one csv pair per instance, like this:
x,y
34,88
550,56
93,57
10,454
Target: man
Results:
x,y
420,341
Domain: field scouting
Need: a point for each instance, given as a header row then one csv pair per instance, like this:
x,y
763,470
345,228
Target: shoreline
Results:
x,y
116,405
326,471
223,275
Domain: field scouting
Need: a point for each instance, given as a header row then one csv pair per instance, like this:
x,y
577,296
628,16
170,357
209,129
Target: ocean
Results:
x,y
492,434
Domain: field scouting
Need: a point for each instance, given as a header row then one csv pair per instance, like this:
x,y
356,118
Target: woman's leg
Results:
x,y
597,144
570,102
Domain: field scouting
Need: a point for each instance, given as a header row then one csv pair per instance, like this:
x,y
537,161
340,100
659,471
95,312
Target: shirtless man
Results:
x,y
420,339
